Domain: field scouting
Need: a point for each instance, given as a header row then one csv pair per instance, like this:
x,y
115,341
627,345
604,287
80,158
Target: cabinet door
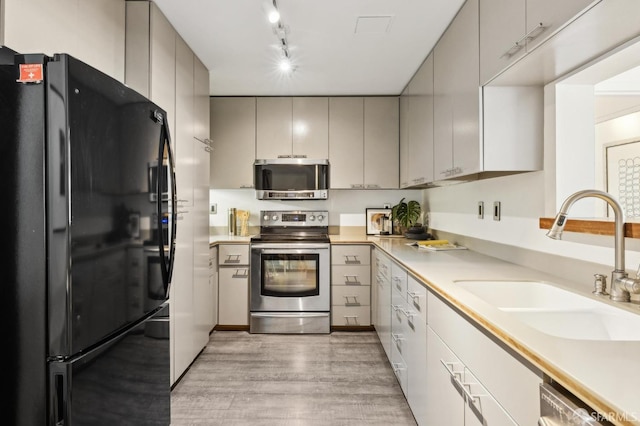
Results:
x,y
481,408
381,142
443,87
544,17
182,315
502,26
311,127
466,99
420,127
183,131
233,288
162,73
213,279
457,96
273,127
233,132
346,142
405,173
382,320
415,332
445,398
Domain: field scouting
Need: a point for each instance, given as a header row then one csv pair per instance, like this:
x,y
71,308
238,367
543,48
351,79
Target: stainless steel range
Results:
x,y
290,273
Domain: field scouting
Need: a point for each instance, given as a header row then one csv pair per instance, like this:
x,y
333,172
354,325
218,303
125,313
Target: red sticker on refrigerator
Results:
x,y
30,73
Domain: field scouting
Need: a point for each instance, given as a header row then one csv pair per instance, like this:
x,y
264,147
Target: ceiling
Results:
x,y
234,39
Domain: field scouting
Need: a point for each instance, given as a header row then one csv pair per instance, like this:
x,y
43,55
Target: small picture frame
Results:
x,y
379,221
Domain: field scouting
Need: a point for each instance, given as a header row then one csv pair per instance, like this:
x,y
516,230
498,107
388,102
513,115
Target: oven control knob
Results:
x,y
274,217
320,217
265,217
312,218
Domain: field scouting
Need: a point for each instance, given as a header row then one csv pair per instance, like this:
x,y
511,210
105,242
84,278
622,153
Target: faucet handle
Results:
x,y
600,285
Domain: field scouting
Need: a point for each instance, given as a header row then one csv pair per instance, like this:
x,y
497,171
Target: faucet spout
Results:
x,y
620,282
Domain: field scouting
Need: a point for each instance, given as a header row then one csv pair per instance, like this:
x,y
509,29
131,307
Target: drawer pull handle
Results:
x,y
348,301
397,337
241,273
351,259
232,258
349,318
408,314
351,280
397,367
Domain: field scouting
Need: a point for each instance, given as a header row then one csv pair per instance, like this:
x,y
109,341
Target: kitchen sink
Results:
x,y
557,312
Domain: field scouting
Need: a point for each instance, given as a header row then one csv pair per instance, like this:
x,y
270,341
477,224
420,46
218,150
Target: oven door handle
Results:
x,y
289,314
289,248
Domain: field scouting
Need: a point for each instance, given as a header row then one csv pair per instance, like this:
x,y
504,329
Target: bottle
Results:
x,y
232,221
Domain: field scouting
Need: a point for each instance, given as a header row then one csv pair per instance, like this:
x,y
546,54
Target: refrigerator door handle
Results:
x,y
164,146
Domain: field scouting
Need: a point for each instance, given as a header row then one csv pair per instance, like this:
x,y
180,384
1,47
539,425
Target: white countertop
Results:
x,y
604,374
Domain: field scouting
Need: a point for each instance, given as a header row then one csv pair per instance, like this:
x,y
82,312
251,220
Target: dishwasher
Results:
x,y
557,409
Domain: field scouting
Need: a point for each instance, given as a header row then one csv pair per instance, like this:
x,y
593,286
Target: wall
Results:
x,y
93,31
350,204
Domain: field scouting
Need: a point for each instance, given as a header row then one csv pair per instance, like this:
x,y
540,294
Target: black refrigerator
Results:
x,y
87,168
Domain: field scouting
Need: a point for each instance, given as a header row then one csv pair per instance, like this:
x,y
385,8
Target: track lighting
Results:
x,y
273,15
280,30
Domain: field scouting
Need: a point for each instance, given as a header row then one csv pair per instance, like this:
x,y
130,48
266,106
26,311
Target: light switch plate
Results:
x,y
213,209
496,210
480,209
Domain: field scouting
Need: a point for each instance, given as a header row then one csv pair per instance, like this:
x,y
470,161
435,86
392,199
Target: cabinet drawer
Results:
x,y
398,279
233,254
351,315
507,376
400,369
383,265
350,255
417,300
350,295
352,275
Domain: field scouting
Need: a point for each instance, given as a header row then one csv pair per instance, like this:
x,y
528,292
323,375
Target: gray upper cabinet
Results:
x,y
364,142
273,127
456,97
418,163
310,118
288,126
509,29
502,24
381,142
233,132
404,138
346,142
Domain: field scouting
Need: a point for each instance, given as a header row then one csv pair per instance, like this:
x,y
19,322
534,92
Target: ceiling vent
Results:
x,y
372,24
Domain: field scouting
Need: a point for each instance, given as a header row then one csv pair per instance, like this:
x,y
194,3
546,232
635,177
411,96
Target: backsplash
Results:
x,y
346,207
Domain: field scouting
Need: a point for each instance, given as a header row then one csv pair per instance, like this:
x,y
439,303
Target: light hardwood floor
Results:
x,y
336,379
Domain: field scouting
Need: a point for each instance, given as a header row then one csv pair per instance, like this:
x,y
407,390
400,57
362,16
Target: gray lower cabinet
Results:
x,y
351,285
448,368
472,376
233,284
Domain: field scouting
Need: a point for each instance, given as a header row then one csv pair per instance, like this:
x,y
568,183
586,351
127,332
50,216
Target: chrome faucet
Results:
x,y
621,284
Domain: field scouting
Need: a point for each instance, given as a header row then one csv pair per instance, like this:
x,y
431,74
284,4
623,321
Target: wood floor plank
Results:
x,y
341,379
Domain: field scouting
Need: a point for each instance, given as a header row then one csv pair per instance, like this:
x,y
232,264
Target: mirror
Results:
x,y
597,133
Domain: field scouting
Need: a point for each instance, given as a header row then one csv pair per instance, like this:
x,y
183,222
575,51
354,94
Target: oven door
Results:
x,y
290,277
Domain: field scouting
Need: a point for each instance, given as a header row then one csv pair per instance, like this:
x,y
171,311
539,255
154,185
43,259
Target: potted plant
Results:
x,y
406,215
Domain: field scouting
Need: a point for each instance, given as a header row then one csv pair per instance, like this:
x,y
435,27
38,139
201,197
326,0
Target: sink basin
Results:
x,y
557,312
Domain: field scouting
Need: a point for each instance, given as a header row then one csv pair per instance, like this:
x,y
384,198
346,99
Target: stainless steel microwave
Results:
x,y
291,179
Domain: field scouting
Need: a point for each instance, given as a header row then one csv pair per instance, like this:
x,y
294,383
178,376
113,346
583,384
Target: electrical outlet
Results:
x,y
213,209
496,210
480,209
